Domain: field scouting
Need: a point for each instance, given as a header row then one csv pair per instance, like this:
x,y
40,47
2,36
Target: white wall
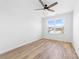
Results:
x,y
76,27
67,36
19,23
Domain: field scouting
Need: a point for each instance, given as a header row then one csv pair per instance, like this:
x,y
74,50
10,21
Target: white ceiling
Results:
x,y
64,6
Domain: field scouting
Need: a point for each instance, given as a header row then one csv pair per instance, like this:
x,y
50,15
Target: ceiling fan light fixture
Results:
x,y
46,7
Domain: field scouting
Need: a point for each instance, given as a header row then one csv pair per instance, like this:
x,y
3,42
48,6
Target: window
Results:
x,y
56,25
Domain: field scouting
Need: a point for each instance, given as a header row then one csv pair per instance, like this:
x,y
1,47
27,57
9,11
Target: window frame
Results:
x,y
55,27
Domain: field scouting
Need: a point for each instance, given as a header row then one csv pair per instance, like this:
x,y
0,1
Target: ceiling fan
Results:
x,y
46,7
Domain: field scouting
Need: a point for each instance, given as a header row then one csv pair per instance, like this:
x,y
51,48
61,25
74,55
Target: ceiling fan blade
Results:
x,y
40,9
50,10
52,4
41,3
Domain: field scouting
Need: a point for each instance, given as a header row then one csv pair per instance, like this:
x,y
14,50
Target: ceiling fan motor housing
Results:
x,y
45,7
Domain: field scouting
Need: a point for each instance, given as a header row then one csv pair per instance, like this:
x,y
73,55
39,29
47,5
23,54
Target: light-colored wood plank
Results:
x,y
42,49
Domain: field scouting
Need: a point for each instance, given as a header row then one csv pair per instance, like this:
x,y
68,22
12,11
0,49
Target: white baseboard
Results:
x,y
17,46
65,40
76,49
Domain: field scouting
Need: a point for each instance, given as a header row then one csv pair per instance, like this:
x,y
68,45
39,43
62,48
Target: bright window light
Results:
x,y
56,25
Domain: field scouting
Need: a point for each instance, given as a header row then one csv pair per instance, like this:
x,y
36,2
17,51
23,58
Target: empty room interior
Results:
x,y
39,29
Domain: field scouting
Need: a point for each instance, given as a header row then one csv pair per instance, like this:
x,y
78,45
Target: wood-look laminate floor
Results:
x,y
42,49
